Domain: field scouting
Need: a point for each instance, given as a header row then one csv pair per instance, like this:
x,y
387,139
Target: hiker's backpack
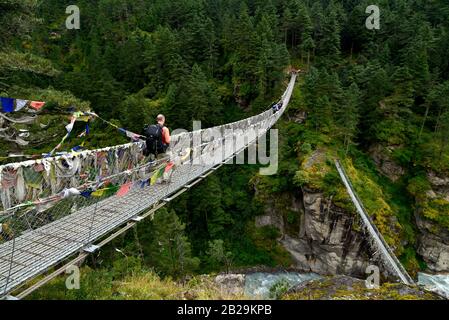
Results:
x,y
153,136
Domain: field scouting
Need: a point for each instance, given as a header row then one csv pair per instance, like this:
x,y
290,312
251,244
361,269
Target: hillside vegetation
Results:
x,y
222,60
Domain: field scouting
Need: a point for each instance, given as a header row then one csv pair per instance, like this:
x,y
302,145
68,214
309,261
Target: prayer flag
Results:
x,y
37,105
86,193
98,193
144,183
169,166
20,104
112,190
83,118
69,127
124,189
156,176
66,193
7,104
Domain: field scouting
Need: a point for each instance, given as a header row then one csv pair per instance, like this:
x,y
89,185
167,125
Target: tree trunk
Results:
x,y
437,124
352,50
308,60
423,123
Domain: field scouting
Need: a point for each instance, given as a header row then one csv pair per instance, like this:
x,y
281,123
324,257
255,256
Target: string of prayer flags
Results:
x,y
129,134
109,191
75,117
78,148
8,105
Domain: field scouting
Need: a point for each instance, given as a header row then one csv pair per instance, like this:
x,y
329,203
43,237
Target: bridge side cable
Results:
x,y
386,252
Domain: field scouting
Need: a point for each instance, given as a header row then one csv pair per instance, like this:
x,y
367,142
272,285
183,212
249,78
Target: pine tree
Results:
x,y
348,115
437,99
307,43
244,59
218,255
17,18
193,99
397,109
287,24
210,211
164,63
170,250
199,42
442,135
329,47
417,60
273,58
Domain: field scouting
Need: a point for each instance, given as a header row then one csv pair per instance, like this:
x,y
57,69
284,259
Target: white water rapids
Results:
x,y
438,283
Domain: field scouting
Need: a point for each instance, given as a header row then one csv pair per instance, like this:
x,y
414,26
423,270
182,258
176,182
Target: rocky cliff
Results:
x,y
432,208
382,157
324,240
433,242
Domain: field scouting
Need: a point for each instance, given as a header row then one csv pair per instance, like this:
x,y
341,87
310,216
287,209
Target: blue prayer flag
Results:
x,y
7,104
86,193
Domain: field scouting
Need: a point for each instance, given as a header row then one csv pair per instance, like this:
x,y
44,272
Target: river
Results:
x,y
438,283
258,285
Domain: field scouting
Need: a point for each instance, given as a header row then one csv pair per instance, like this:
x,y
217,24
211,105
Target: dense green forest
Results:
x,y
222,60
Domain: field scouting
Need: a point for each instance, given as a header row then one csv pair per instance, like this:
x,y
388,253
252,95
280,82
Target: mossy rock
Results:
x,y
348,288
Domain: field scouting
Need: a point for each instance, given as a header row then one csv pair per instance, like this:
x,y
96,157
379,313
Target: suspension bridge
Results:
x,y
61,209
377,242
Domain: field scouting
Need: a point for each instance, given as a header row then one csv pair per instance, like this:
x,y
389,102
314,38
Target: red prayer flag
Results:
x,y
37,105
124,189
169,166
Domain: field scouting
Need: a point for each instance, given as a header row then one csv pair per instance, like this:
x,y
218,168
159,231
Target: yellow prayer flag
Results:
x,y
98,193
83,118
156,176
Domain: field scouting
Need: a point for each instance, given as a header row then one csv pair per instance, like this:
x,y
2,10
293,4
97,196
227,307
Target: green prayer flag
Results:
x,y
111,190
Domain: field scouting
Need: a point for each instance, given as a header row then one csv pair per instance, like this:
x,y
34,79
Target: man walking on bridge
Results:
x,y
157,137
